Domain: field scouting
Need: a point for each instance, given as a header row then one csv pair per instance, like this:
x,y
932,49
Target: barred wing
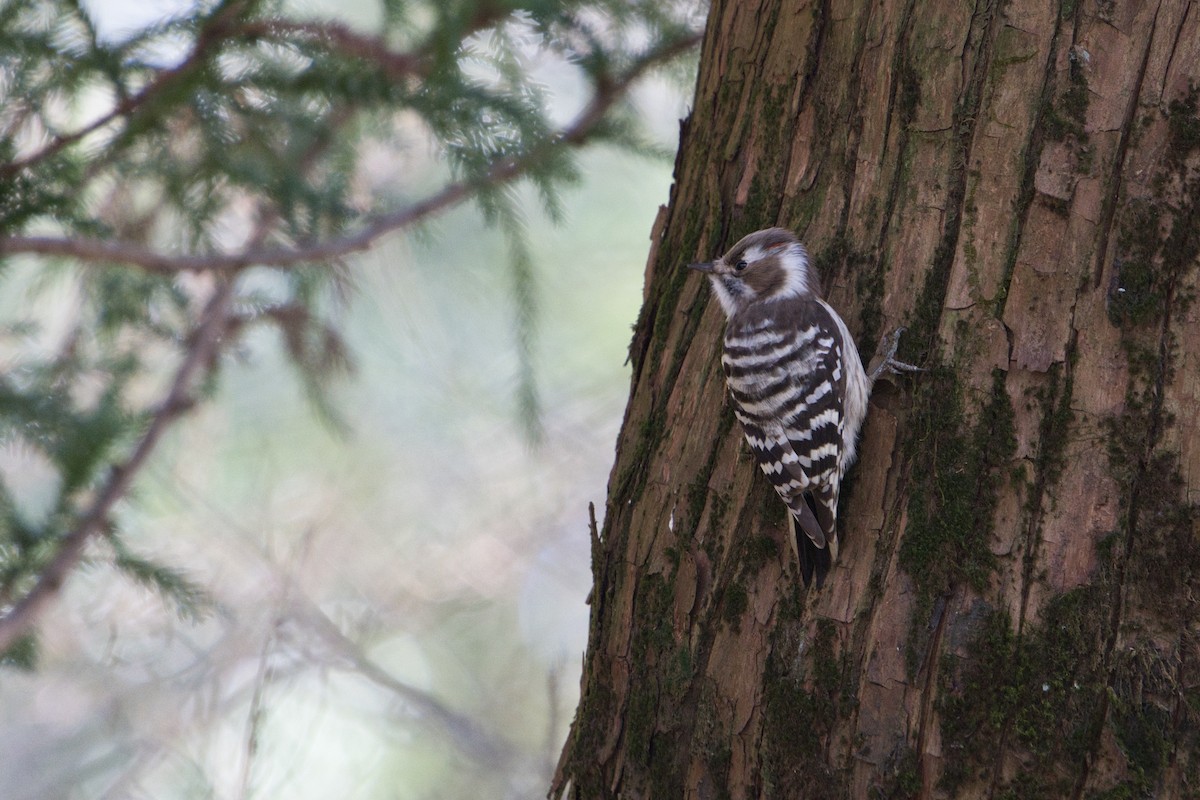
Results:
x,y
784,374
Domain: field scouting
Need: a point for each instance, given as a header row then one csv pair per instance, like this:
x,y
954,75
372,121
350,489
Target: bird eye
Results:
x,y
740,265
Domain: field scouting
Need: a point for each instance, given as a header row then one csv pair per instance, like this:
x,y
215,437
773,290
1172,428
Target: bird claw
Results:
x,y
885,361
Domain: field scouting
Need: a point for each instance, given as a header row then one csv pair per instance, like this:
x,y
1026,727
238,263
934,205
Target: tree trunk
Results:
x,y
1014,612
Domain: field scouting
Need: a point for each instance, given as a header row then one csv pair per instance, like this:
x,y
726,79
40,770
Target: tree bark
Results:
x,y
1014,612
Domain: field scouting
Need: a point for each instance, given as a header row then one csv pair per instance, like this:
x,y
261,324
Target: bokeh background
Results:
x,y
398,589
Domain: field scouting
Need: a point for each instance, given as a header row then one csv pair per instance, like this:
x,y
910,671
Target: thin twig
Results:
x,y
198,359
468,736
262,678
607,94
553,745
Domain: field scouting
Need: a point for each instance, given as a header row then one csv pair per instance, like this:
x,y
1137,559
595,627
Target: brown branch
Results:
x,y
199,357
212,32
215,319
341,38
333,35
216,322
607,94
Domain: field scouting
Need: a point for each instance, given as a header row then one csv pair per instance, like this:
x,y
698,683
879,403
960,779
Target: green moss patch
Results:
x,y
1042,691
800,714
956,470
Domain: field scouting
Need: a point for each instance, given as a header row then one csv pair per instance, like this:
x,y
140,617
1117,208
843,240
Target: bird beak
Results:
x,y
704,266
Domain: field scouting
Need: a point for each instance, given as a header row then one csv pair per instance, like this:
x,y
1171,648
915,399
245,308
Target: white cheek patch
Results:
x,y
800,280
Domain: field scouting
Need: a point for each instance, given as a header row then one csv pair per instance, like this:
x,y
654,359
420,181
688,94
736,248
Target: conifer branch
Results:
x,y
217,323
209,35
608,91
199,358
343,39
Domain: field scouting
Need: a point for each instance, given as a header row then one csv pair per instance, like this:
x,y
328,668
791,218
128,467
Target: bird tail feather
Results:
x,y
812,549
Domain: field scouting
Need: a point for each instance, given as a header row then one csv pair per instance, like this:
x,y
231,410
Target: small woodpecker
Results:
x,y
797,381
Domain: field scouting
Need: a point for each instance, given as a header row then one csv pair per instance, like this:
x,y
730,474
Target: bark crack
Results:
x,y
928,693
1162,87
900,77
854,138
1108,211
1132,527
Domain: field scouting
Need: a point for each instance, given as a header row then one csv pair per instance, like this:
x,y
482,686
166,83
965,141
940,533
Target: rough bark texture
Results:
x,y
1015,610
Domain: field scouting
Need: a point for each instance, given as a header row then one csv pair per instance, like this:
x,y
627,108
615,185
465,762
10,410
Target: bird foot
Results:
x,y
885,361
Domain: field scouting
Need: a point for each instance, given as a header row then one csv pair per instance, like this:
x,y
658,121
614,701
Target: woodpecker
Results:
x,y
797,382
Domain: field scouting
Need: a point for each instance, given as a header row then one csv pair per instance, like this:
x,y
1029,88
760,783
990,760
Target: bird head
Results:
x,y
766,265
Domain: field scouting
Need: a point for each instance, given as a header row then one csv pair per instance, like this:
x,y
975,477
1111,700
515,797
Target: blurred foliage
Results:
x,y
199,179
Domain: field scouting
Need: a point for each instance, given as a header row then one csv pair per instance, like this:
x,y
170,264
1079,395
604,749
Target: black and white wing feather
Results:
x,y
782,362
